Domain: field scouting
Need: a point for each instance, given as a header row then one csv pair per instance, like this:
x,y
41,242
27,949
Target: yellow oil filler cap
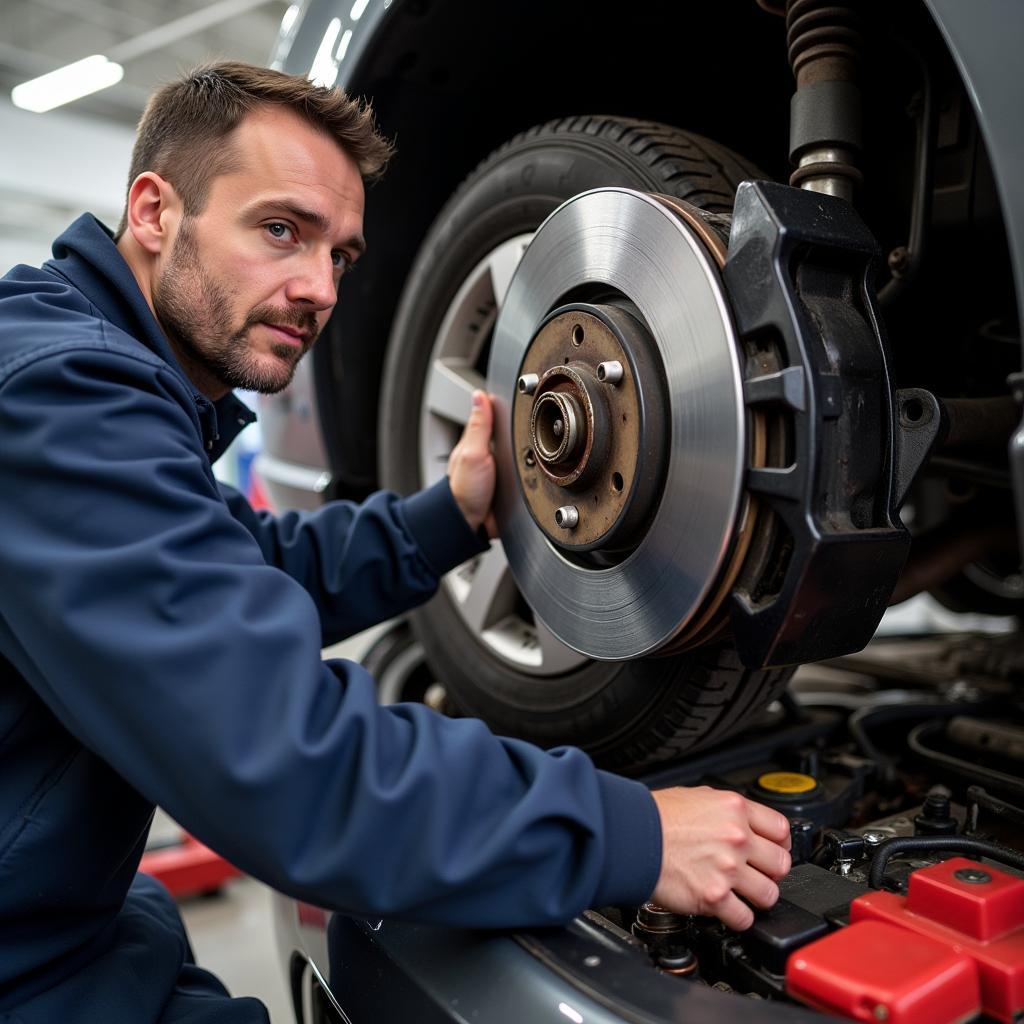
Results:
x,y
787,784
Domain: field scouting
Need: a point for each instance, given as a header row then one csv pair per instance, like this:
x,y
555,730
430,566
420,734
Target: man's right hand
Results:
x,y
716,847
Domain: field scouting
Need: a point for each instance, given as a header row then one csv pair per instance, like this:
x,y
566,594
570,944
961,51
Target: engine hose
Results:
x,y
1001,808
965,769
880,715
938,844
791,706
908,262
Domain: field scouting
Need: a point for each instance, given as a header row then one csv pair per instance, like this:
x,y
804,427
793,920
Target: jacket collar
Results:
x,y
86,256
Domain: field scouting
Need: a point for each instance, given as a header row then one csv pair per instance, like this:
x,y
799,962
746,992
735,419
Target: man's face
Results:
x,y
249,282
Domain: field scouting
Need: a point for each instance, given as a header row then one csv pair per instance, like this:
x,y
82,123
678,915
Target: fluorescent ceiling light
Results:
x,y
68,83
289,19
325,70
346,38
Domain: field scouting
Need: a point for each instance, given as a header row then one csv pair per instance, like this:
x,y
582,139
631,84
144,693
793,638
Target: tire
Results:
x,y
397,662
626,715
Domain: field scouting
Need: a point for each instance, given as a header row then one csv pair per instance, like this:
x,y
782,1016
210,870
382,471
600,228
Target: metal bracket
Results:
x,y
920,427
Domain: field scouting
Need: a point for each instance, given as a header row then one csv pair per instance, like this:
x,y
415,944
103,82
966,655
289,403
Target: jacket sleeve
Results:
x,y
150,623
365,563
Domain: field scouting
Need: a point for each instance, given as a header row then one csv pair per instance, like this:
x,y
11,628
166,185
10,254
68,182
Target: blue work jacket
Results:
x,y
160,644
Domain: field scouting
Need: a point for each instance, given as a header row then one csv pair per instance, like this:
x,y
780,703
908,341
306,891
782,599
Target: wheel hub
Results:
x,y
588,426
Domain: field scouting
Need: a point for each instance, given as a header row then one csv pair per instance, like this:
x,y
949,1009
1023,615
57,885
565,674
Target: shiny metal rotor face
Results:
x,y
621,246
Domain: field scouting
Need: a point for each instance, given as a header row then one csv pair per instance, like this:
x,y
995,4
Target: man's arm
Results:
x,y
145,617
365,563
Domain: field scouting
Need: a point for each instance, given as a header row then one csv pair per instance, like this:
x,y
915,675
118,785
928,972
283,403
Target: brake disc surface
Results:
x,y
618,250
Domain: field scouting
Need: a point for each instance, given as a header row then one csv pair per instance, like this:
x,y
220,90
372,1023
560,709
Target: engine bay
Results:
x,y
904,794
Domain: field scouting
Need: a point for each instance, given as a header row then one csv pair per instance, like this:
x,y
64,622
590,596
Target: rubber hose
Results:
x,y
881,714
965,769
1001,808
945,844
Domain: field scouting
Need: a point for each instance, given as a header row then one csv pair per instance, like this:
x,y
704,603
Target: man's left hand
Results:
x,y
471,469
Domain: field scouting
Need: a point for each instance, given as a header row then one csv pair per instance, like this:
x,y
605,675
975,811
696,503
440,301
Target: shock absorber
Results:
x,y
825,48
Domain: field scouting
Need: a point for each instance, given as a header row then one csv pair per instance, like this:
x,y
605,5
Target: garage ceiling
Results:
x,y
168,35
74,158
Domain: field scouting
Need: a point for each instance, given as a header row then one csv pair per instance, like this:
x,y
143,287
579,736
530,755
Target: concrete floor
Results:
x,y
232,936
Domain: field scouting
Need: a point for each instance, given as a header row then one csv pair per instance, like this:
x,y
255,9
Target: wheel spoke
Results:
x,y
450,389
554,655
483,589
491,590
502,265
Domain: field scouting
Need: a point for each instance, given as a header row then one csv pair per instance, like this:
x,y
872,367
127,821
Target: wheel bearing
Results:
x,y
596,444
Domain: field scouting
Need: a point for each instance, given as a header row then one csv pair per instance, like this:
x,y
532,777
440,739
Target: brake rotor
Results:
x,y
622,437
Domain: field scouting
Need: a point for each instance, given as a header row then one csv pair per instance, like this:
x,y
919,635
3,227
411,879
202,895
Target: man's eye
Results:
x,y
278,230
341,261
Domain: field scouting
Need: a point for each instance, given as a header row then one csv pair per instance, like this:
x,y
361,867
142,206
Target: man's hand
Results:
x,y
471,469
718,846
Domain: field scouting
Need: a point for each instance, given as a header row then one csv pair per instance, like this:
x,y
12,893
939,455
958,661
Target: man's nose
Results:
x,y
315,284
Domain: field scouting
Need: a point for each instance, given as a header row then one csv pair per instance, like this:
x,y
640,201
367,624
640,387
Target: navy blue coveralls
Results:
x,y
160,644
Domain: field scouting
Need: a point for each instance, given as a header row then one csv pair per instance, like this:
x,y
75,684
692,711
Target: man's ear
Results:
x,y
153,211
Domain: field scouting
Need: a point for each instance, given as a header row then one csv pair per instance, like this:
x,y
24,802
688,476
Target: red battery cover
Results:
x,y
874,971
973,907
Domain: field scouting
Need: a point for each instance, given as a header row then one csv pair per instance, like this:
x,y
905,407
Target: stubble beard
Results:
x,y
195,312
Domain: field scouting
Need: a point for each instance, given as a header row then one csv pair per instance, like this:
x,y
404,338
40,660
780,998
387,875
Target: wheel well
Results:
x,y
451,82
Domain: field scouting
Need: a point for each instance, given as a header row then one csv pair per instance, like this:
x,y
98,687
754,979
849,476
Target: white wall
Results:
x,y
53,167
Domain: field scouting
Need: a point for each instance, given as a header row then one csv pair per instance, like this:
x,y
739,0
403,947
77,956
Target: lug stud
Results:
x,y
528,383
609,372
567,517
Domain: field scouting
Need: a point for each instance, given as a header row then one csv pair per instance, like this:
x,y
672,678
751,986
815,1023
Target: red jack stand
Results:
x,y
188,868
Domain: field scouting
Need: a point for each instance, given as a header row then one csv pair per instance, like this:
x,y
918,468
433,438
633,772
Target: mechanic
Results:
x,y
161,640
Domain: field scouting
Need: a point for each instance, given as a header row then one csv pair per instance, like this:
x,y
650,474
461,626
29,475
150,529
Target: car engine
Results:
x,y
905,799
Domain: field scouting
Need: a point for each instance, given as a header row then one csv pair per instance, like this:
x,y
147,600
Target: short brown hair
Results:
x,y
181,135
